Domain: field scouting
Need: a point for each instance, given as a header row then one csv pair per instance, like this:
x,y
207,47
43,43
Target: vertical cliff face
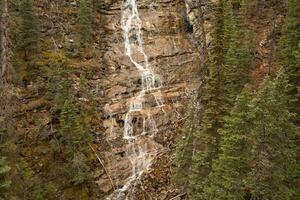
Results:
x,y
176,38
166,32
169,41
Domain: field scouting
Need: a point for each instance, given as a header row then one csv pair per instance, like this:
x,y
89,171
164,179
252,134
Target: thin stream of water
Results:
x,y
139,151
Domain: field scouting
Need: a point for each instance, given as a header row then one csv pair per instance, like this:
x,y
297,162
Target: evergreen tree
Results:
x,y
232,69
287,56
7,110
228,70
296,181
73,129
227,179
4,184
29,30
237,59
273,151
218,92
289,59
184,150
4,168
77,168
75,136
58,81
85,21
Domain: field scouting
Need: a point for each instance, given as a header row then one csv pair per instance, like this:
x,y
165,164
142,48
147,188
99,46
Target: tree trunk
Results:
x,y
3,41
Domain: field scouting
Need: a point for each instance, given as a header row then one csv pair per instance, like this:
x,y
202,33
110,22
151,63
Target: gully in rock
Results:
x,y
141,148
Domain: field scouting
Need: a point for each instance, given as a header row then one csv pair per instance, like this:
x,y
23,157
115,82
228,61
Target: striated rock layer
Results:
x,y
176,35
173,56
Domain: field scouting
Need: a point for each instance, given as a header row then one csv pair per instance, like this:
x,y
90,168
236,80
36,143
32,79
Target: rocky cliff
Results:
x,y
167,40
176,38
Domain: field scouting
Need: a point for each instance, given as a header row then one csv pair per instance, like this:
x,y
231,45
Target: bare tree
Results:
x,y
3,41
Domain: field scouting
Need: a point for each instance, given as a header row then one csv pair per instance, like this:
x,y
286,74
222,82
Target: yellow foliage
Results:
x,y
34,105
55,57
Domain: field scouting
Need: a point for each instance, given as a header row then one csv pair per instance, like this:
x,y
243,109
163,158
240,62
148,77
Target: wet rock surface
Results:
x,y
175,34
176,60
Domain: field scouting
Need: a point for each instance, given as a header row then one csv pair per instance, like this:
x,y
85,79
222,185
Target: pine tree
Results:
x,y
4,184
215,98
77,168
289,59
58,85
243,46
6,112
296,180
75,135
288,47
184,150
30,30
227,179
69,129
74,129
85,21
273,151
238,56
232,72
4,169
228,68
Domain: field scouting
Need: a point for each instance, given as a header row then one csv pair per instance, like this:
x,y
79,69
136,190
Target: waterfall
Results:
x,y
141,148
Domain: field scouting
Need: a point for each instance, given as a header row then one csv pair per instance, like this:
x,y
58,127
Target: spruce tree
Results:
x,y
289,59
273,153
30,30
75,136
6,113
237,59
73,128
243,46
228,70
296,180
232,72
287,56
227,179
4,167
215,98
4,184
85,22
184,150
78,169
59,83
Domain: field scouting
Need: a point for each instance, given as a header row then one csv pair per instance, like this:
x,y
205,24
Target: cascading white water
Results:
x,y
141,148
